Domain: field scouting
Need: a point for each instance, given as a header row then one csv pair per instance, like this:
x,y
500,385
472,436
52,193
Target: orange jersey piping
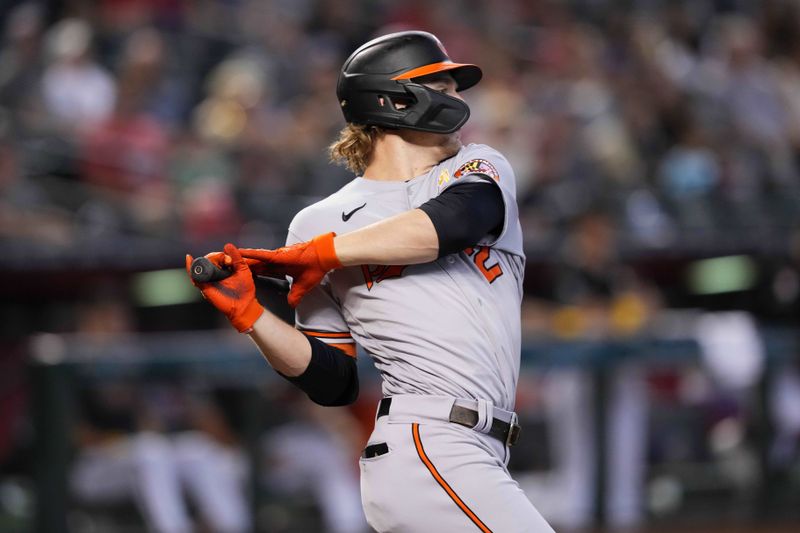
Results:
x,y
327,334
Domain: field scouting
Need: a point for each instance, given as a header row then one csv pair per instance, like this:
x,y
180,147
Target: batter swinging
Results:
x,y
420,262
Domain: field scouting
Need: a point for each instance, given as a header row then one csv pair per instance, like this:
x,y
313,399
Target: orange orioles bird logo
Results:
x,y
376,273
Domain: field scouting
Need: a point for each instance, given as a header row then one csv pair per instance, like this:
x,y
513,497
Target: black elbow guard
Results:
x,y
331,378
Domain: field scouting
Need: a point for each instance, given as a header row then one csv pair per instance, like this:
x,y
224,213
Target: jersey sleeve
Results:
x,y
319,316
484,164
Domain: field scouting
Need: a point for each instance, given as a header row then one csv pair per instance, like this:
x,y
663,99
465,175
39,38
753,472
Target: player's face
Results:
x,y
442,82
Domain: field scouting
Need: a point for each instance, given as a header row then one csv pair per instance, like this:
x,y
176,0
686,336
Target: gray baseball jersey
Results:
x,y
440,333
446,328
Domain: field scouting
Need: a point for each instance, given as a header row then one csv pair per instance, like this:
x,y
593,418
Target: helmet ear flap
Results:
x,y
395,102
422,106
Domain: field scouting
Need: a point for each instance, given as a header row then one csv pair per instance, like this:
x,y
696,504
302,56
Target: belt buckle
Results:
x,y
514,430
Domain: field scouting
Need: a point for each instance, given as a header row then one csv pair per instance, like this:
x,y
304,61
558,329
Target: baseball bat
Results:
x,y
204,271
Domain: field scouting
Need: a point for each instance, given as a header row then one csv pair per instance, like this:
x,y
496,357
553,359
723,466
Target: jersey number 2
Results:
x,y
481,258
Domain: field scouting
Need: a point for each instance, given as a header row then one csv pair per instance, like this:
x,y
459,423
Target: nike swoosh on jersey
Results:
x,y
346,217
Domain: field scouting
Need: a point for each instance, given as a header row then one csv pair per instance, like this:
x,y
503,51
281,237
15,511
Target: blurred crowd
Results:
x,y
643,133
206,120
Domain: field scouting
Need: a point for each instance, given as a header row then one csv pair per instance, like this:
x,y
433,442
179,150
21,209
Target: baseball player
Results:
x,y
419,261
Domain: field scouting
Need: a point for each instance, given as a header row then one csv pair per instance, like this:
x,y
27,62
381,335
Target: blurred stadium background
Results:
x,y
657,151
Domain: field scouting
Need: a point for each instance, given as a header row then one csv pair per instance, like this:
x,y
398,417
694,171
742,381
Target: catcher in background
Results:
x,y
419,260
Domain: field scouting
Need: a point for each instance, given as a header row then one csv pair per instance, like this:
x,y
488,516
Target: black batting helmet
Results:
x,y
380,74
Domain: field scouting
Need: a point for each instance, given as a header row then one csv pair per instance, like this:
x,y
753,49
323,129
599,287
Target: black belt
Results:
x,y
503,431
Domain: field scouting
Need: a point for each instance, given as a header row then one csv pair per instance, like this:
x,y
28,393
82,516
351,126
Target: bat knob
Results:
x,y
204,271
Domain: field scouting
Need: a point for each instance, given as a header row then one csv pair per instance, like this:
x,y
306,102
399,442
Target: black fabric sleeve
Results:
x,y
331,378
464,214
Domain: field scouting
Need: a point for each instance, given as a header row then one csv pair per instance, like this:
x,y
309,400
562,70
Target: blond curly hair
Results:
x,y
353,149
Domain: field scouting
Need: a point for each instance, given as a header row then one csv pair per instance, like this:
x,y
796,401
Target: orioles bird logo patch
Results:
x,y
477,166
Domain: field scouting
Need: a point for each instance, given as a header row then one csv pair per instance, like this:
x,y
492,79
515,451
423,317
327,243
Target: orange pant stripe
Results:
x,y
440,480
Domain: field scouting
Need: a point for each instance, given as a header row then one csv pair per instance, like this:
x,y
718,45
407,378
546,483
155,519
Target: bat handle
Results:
x,y
204,271
280,285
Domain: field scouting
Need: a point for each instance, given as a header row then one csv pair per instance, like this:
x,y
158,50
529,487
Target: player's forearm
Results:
x,y
405,239
285,349
326,374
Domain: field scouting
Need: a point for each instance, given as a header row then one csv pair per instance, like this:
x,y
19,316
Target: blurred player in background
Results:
x,y
131,448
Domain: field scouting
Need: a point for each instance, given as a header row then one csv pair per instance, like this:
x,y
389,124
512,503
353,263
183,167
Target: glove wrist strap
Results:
x,y
244,321
327,252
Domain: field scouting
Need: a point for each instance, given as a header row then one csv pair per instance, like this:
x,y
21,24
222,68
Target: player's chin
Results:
x,y
452,141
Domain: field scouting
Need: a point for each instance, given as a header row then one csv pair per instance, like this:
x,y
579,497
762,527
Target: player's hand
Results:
x,y
257,267
235,295
306,262
224,261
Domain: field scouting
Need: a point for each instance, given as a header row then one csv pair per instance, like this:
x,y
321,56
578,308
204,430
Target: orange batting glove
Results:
x,y
306,262
223,260
235,295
